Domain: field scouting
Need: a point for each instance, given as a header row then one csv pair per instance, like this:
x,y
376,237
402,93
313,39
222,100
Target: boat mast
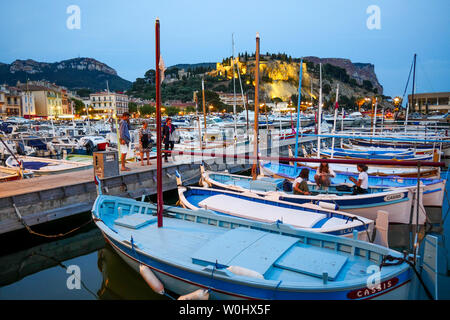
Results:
x,y
198,120
234,90
159,207
115,120
413,89
375,117
319,115
255,139
204,104
336,109
298,107
243,99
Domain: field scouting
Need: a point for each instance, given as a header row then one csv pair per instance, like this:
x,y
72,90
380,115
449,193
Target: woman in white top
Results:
x,y
362,184
324,175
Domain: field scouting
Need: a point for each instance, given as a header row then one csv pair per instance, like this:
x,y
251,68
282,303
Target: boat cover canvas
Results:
x,y
260,211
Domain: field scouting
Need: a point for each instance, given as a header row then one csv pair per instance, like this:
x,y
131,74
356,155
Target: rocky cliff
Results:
x,y
357,71
73,73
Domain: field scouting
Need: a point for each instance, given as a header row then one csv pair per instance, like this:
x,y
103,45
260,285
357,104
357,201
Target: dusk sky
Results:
x,y
121,34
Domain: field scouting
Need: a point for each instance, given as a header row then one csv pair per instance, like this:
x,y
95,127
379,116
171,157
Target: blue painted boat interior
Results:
x,y
198,239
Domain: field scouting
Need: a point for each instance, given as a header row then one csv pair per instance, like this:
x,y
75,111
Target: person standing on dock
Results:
x,y
168,135
145,142
125,139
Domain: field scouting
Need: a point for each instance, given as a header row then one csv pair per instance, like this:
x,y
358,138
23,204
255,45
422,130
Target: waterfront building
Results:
x,y
109,102
11,101
47,99
436,101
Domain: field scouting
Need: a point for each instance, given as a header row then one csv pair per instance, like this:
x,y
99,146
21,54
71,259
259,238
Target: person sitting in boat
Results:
x,y
362,184
300,184
324,175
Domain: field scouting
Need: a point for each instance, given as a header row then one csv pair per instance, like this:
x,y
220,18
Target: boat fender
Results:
x,y
327,205
200,294
241,271
151,279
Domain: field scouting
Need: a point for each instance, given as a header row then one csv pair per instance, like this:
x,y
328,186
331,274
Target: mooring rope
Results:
x,y
46,235
399,261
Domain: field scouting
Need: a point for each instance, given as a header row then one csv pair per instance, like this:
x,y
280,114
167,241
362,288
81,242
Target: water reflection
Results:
x,y
120,281
18,265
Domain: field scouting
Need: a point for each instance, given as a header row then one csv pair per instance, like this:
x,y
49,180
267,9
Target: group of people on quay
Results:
x,y
145,139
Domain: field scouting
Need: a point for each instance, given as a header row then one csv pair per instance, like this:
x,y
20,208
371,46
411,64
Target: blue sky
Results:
x,y
121,33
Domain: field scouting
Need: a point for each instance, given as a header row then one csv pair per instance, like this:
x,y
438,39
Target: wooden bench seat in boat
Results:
x,y
312,262
135,221
252,249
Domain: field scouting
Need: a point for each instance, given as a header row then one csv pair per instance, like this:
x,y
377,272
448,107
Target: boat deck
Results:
x,y
275,257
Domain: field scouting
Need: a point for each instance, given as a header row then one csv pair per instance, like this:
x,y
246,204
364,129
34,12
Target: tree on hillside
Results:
x,y
150,76
132,107
171,111
79,105
84,92
367,85
147,109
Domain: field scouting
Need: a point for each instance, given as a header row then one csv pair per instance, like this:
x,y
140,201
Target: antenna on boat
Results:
x,y
160,203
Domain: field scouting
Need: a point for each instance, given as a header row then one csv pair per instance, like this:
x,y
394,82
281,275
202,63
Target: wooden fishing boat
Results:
x,y
340,153
9,174
433,190
46,166
428,172
348,146
398,202
250,206
235,258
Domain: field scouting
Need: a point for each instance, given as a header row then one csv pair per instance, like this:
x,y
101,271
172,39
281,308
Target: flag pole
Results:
x,y
160,203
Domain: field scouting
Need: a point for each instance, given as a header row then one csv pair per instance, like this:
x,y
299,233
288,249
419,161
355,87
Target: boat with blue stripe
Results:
x,y
398,202
373,155
237,258
433,189
250,206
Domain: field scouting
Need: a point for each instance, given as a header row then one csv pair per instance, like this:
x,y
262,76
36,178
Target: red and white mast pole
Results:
x,y
160,201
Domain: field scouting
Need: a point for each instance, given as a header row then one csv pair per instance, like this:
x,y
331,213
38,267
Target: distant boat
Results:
x,y
46,166
371,155
9,174
433,193
233,258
